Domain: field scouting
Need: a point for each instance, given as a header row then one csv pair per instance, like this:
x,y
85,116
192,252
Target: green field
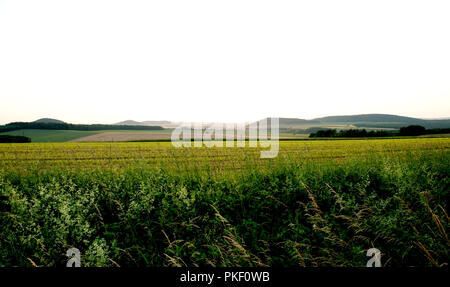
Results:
x,y
319,203
57,136
287,134
40,136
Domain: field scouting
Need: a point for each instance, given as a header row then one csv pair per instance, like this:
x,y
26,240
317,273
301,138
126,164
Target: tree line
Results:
x,y
412,130
14,139
65,126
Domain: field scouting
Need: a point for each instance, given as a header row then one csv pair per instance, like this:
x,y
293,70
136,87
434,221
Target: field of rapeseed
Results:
x,y
319,203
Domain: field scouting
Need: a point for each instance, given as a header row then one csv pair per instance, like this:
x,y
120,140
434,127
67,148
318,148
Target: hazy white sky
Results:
x,y
107,61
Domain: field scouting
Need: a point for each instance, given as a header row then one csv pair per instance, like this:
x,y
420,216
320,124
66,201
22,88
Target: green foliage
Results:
x,y
419,130
289,214
351,133
413,130
14,139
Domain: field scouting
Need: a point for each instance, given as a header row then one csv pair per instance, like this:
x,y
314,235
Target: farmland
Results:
x,y
319,203
120,136
155,155
50,135
54,136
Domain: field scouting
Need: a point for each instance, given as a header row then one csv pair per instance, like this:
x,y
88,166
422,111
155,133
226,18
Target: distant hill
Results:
x,y
144,123
375,118
384,121
156,122
286,122
130,123
287,125
48,120
76,127
369,121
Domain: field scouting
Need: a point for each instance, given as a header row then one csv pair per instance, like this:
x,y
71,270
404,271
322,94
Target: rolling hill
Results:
x,y
376,118
53,130
144,123
48,120
368,121
130,123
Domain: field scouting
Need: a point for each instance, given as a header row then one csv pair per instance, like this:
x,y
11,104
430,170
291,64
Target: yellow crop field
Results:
x,y
318,203
164,154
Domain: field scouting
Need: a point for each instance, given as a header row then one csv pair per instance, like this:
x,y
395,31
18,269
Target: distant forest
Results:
x,y
64,126
413,130
14,139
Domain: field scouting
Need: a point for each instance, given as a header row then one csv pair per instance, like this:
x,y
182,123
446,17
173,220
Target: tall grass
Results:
x,y
285,212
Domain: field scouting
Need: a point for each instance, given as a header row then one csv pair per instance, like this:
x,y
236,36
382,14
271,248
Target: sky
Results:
x,y
231,61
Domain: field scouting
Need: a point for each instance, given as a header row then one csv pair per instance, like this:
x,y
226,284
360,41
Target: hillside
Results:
x,y
66,126
156,122
384,121
369,121
286,122
48,120
129,123
144,123
376,118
